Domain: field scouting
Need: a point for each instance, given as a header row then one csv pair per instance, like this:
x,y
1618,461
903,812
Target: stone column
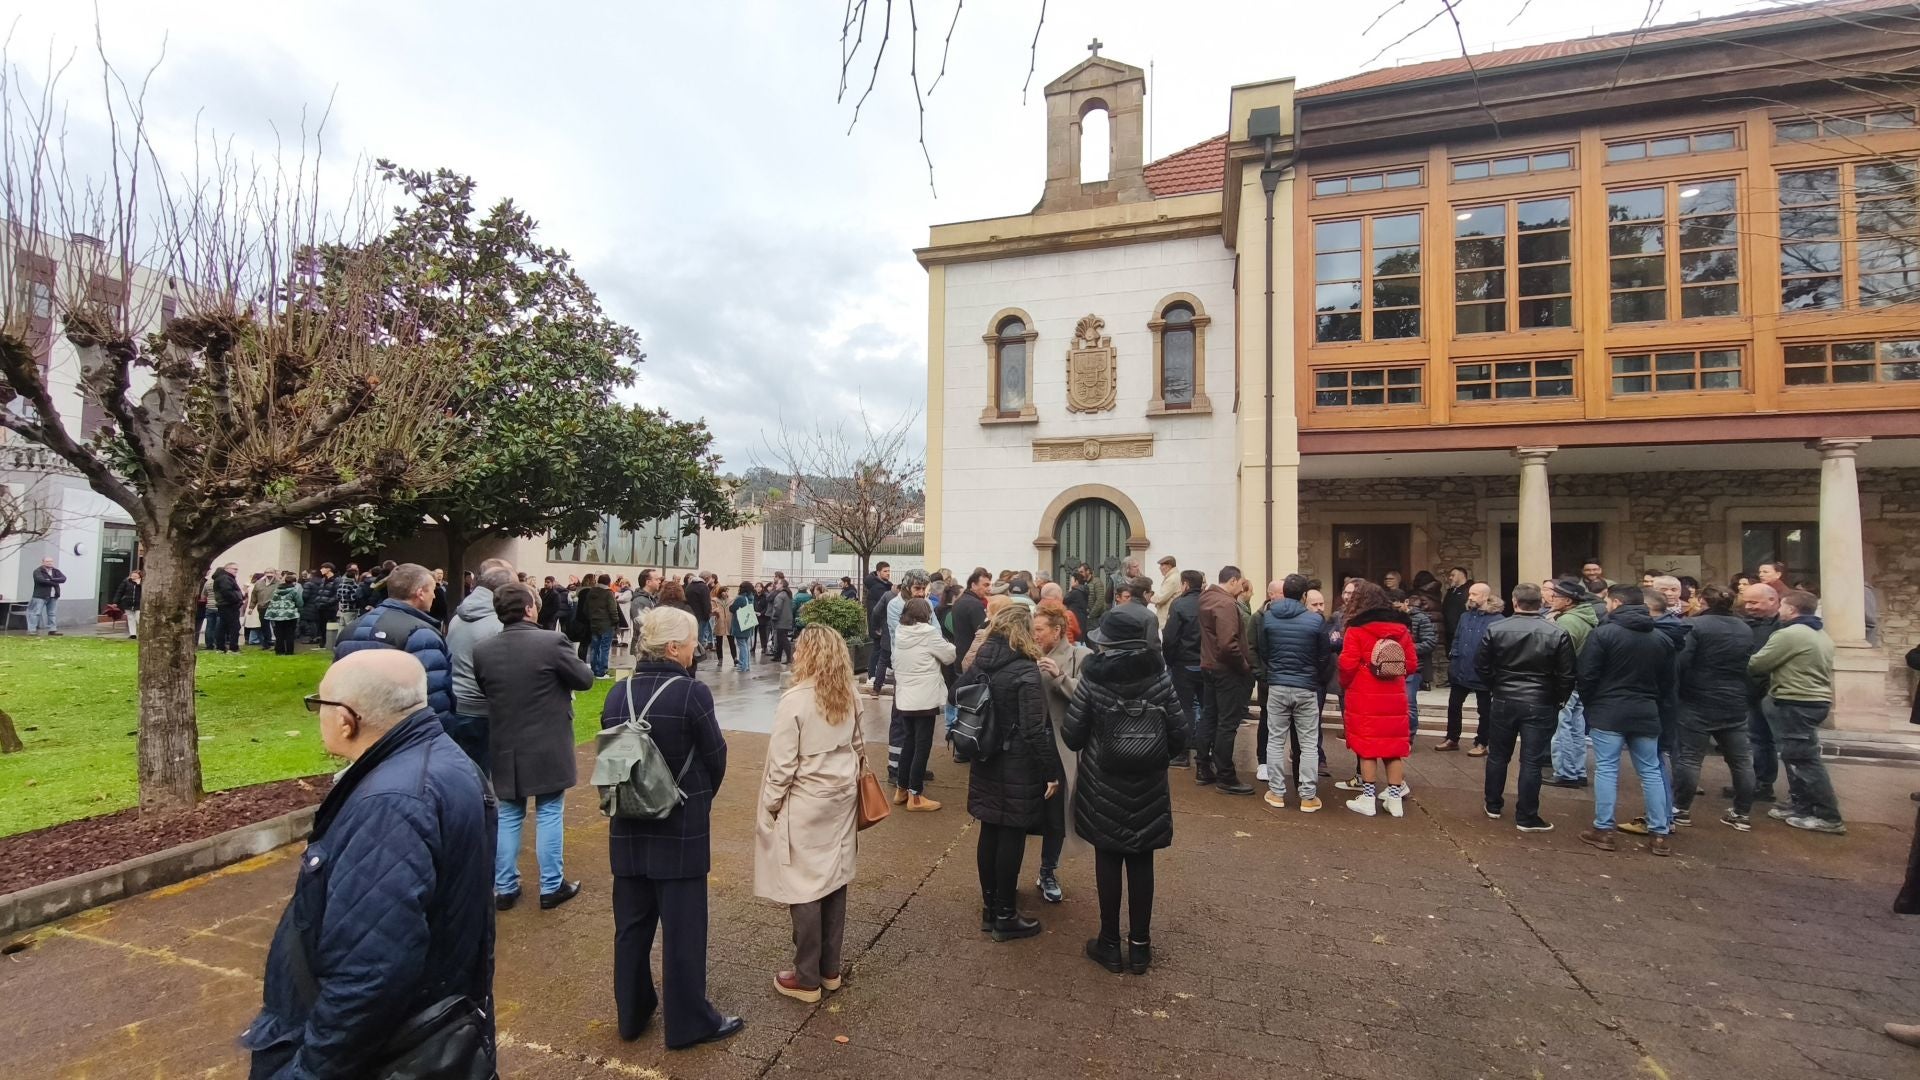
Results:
x,y
1536,515
1859,670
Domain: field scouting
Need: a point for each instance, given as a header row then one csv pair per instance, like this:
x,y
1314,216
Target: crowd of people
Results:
x,y
1069,703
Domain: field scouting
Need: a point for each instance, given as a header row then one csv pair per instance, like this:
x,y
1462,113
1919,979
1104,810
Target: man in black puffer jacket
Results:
x,y
1180,645
1626,682
1124,810
1527,664
1713,706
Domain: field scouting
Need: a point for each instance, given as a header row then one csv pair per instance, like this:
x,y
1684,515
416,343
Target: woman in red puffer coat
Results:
x,y
1375,707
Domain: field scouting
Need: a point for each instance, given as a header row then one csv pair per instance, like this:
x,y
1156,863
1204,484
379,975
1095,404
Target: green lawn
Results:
x,y
77,696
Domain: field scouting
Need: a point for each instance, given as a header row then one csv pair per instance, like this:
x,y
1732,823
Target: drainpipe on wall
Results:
x,y
1265,123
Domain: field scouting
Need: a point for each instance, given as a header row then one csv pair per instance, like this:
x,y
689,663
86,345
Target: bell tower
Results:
x,y
1096,90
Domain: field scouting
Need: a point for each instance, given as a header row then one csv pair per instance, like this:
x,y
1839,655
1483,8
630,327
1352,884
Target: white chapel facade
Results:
x,y
1084,397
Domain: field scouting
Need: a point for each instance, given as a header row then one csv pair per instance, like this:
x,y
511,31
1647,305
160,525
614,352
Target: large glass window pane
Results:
x,y
1471,170
1713,140
1636,239
1552,311
1809,294
1477,254
1541,280
1704,266
1509,166
1633,151
1398,230
1176,366
1631,364
1013,376
1810,186
1639,273
1336,236
1797,130
1553,159
1883,178
1707,301
1881,289
1648,306
1543,214
1369,182
1337,296
1542,247
1339,266
1481,221
1337,328
1393,262
1713,230
1480,285
1406,178
1396,323
1668,147
1330,187
1639,204
1480,318
1396,292
1709,197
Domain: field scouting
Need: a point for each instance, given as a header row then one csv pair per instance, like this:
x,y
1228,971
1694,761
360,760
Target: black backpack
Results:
x,y
1133,738
975,733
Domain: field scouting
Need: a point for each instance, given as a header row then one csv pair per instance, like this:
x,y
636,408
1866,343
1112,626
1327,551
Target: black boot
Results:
x,y
1139,956
1106,954
1009,924
986,919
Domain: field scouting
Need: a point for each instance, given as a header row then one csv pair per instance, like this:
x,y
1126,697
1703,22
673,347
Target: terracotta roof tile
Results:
x,y
1556,50
1200,167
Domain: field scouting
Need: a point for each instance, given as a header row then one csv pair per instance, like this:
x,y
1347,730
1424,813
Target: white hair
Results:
x,y
664,626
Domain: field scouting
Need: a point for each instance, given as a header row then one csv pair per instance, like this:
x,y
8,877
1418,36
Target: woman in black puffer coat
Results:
x,y
1125,812
1008,792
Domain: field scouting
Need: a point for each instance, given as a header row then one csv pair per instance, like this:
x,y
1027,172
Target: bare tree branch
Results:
x,y
1396,42
913,71
1033,51
946,48
1460,34
886,32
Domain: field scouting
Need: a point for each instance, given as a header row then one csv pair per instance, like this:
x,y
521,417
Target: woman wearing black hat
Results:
x,y
1125,721
1008,791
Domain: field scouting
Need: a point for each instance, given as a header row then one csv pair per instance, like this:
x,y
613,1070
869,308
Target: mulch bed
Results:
x,y
75,847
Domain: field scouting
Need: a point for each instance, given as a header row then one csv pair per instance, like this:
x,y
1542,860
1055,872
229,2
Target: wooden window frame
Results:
x,y
1673,222
1846,204
1201,404
992,413
1533,168
1511,266
1874,364
1387,372
1533,379
1696,372
1843,121
1368,277
1385,176
1645,143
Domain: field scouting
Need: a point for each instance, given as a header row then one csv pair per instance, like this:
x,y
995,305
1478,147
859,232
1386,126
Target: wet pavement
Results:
x,y
1287,945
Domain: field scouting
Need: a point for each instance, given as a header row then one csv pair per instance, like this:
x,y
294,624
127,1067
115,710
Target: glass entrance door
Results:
x,y
1368,551
116,559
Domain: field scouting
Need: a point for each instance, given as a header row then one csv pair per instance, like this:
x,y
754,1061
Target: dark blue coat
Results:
x,y
423,642
393,907
1464,653
1291,642
678,845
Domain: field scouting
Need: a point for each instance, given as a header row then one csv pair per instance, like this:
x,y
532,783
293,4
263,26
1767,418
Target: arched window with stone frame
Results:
x,y
1179,329
1009,340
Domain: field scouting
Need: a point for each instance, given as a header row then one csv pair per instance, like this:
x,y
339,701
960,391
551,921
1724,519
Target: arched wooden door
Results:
x,y
1091,531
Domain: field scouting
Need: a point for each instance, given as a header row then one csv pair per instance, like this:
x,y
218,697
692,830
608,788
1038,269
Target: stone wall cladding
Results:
x,y
1665,513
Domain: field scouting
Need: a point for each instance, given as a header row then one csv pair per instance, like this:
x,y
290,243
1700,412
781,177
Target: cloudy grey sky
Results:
x,y
694,160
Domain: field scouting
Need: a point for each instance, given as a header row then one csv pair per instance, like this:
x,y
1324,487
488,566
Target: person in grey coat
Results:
x,y
782,624
473,622
527,675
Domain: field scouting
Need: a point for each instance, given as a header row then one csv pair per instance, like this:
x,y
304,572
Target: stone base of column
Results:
x,y
1860,691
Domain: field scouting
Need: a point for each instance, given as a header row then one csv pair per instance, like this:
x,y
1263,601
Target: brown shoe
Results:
x,y
788,983
1447,744
1659,846
1600,838
1477,751
921,804
900,796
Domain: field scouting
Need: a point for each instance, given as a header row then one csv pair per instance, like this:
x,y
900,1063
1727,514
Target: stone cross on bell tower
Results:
x,y
1097,89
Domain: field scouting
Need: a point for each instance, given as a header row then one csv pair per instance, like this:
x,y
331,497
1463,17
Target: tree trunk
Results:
x,y
9,739
169,731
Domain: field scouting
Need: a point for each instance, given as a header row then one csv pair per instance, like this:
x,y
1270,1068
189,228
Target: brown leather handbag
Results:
x,y
873,807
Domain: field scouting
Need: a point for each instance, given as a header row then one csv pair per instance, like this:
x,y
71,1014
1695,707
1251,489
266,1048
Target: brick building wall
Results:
x,y
1455,522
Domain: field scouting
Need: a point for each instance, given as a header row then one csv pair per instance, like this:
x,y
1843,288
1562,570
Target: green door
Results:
x,y
1091,531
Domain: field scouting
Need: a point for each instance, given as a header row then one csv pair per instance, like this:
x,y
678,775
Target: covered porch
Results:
x,y
1842,511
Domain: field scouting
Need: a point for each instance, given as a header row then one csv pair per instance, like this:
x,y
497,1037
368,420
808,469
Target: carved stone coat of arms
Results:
x,y
1091,368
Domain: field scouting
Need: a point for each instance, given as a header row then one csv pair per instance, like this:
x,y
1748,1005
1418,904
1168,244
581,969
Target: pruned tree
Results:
x,y
549,450
860,485
284,386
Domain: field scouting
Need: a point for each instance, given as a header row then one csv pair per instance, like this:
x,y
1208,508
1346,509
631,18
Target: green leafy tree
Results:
x,y
549,448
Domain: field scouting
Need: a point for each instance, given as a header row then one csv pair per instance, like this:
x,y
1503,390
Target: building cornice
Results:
x,y
1075,230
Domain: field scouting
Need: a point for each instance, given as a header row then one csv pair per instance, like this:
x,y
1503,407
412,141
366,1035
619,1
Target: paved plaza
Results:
x,y
1287,945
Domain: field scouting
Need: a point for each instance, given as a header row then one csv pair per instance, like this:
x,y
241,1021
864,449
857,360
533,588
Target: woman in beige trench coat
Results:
x,y
804,840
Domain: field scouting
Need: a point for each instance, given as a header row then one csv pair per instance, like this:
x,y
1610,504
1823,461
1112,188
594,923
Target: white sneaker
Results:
x,y
1260,773
1392,802
1362,804
1406,791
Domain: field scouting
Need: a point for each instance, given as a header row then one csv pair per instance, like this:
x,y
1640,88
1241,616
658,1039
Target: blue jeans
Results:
x,y
1570,741
40,615
742,646
1645,751
549,823
600,651
213,628
1413,708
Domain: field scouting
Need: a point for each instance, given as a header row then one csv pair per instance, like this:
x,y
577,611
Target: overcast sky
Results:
x,y
694,160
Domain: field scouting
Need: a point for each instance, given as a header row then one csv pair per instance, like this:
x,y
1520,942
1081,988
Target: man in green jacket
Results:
x,y
1574,609
1797,662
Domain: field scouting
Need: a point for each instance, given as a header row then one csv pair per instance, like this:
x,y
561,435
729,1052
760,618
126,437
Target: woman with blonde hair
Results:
x,y
1008,792
995,605
660,866
1059,666
804,833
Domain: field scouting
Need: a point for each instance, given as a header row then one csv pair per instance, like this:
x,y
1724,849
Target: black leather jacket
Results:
x,y
1527,662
